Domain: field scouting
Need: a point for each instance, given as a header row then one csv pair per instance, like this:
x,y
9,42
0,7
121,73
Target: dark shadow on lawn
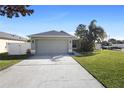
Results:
x,y
5,56
86,54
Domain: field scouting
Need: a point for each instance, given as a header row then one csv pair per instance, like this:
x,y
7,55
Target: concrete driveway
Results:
x,y
47,71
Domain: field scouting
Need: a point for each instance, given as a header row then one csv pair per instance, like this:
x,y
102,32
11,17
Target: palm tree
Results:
x,y
97,33
89,36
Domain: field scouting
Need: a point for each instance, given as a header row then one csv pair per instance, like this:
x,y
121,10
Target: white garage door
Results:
x,y
53,46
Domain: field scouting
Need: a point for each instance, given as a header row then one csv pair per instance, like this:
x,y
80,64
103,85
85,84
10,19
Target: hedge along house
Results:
x,y
6,38
52,42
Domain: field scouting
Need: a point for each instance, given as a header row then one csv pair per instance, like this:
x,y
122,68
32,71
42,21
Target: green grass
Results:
x,y
106,66
7,61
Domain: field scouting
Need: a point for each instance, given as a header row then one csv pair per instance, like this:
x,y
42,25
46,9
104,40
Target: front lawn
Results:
x,y
7,61
106,66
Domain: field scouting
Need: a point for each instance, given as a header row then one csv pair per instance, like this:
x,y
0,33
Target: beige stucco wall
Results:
x,y
3,44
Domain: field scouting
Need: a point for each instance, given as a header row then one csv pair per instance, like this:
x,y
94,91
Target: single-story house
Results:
x,y
6,38
52,42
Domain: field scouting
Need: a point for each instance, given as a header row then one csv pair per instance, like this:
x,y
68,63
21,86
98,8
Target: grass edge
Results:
x,y
89,72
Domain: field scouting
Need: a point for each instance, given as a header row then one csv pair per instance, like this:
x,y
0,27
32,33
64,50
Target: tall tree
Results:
x,y
89,36
81,31
11,11
97,33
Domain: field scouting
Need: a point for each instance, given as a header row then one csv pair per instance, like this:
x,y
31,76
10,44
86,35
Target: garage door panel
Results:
x,y
51,46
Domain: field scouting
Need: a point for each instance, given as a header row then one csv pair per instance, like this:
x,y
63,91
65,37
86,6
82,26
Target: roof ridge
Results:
x,y
52,33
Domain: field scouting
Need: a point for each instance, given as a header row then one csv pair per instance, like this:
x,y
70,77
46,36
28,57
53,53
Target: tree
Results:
x,y
119,42
112,40
105,43
11,11
96,33
122,41
88,36
81,31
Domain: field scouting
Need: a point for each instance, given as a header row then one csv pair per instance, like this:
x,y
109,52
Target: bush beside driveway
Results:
x,y
107,66
7,61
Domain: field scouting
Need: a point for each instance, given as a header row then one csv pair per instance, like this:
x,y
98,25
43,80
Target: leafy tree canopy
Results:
x,y
112,40
11,11
89,35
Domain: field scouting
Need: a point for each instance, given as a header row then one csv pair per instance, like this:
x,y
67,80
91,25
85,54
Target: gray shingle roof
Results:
x,y
52,33
4,35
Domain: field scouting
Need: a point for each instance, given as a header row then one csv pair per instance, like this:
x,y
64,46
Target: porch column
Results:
x,y
70,45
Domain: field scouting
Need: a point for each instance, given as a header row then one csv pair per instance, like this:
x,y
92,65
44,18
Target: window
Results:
x,y
74,45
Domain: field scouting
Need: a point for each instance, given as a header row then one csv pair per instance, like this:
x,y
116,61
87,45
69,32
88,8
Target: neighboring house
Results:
x,y
6,38
52,42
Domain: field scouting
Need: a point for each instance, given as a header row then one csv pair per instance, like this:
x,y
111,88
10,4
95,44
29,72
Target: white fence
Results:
x,y
18,48
98,46
118,45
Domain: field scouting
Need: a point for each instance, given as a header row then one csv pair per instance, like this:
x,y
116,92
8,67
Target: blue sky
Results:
x,y
67,18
